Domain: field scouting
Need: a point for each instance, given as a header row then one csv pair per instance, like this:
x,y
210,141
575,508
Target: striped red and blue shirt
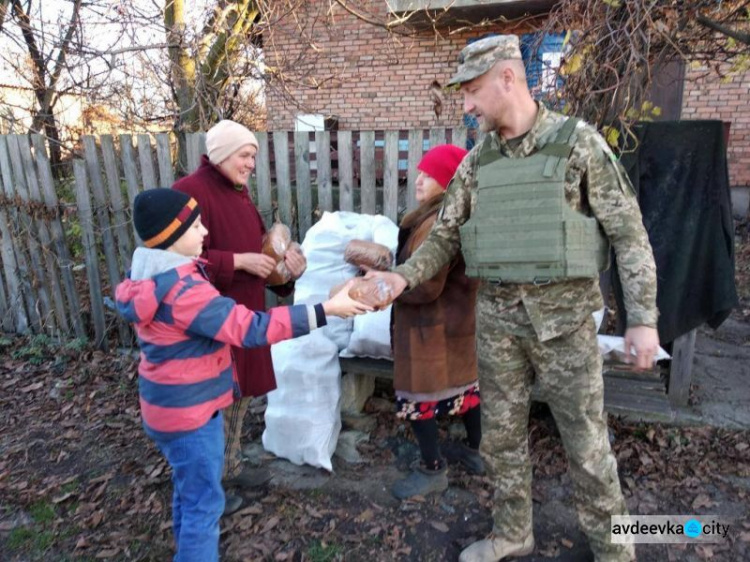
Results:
x,y
185,329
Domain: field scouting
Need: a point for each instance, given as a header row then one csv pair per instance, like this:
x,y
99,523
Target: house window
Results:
x,y
542,55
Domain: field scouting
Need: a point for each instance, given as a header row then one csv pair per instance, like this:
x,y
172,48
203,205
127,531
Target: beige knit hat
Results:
x,y
225,138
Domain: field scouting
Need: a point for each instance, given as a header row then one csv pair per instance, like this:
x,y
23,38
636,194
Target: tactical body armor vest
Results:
x,y
521,229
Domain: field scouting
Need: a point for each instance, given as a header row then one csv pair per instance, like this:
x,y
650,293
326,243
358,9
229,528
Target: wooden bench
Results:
x,y
626,392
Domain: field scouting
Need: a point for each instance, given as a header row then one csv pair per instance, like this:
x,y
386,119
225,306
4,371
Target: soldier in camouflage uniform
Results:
x,y
543,333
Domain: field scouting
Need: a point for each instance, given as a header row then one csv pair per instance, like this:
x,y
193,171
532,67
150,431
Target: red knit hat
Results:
x,y
442,162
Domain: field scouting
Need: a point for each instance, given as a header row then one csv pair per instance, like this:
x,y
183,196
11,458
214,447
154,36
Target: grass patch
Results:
x,y
322,552
69,487
42,512
29,540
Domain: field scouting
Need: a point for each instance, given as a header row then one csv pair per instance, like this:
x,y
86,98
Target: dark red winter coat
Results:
x,y
234,227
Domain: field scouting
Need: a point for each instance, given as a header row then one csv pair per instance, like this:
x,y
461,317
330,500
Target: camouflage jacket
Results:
x,y
596,185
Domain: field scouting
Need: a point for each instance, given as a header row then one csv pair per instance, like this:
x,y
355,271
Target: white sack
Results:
x,y
372,331
324,247
302,418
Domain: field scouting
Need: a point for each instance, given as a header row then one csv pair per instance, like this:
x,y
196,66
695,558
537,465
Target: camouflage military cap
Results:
x,y
478,57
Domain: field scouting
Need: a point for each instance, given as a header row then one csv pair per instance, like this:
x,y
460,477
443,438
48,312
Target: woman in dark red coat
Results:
x,y
434,345
236,265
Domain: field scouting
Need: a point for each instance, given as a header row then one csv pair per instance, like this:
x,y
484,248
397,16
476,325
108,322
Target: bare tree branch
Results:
x,y
729,32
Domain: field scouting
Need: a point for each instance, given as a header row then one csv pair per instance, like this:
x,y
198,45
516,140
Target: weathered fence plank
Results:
x,y
40,221
437,136
59,242
16,267
263,179
323,164
89,247
42,313
201,145
104,226
192,141
302,177
117,205
346,170
7,322
5,318
284,189
147,162
130,171
416,147
367,188
164,160
459,137
390,176
16,316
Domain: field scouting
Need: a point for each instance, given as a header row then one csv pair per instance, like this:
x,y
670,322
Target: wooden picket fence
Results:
x,y
62,258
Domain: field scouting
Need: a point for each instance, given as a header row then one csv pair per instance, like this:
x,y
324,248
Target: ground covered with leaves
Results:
x,y
80,481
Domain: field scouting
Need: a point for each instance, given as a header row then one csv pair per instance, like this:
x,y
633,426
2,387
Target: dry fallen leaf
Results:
x,y
34,386
440,526
365,516
702,500
64,497
270,524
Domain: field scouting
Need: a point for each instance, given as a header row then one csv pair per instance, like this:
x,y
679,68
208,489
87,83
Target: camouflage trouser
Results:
x,y
233,417
568,372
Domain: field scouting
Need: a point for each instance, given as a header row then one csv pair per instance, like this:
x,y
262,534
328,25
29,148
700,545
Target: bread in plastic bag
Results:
x,y
374,292
276,242
368,255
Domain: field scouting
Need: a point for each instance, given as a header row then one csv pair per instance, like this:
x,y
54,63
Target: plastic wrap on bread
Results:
x,y
368,255
276,243
374,292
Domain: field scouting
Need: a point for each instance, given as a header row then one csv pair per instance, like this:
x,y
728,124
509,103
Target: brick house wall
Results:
x,y
339,66
366,77
707,97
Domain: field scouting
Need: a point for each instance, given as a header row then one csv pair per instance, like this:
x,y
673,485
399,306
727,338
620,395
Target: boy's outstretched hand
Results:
x,y
342,305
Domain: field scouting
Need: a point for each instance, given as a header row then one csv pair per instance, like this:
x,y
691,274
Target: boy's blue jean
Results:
x,y
197,461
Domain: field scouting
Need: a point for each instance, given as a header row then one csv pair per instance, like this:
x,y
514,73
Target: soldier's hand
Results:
x,y
396,282
645,341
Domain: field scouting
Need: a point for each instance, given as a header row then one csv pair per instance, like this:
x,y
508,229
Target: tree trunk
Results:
x,y
199,75
45,124
182,74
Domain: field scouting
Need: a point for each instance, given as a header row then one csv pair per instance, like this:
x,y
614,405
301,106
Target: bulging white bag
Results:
x,y
302,418
324,247
372,331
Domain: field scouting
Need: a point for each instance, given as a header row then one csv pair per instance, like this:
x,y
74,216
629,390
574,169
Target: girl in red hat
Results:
x,y
434,350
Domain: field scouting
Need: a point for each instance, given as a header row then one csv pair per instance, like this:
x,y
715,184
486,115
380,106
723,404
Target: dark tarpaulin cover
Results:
x,y
680,174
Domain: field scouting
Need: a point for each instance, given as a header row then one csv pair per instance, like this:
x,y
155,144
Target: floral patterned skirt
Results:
x,y
453,406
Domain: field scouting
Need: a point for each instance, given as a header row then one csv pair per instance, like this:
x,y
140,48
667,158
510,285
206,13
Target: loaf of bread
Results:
x,y
368,255
374,292
276,243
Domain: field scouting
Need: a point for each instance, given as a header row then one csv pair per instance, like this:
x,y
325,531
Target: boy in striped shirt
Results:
x,y
185,330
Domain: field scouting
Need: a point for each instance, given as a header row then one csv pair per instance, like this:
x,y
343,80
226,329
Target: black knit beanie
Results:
x,y
162,215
